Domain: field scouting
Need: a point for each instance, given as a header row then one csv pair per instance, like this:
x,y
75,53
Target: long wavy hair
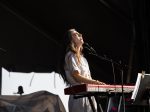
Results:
x,y
68,45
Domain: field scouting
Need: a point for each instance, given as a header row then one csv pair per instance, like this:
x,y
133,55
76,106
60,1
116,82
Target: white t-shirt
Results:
x,y
72,65
80,104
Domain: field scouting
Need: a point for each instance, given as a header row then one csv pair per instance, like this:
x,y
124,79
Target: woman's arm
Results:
x,y
81,79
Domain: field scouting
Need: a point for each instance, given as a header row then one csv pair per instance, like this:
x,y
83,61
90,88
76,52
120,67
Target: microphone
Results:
x,y
88,47
1,49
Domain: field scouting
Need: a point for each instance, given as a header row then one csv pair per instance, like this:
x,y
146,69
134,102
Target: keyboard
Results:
x,y
93,88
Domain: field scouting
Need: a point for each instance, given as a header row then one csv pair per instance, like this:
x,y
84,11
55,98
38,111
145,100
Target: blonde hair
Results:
x,y
72,47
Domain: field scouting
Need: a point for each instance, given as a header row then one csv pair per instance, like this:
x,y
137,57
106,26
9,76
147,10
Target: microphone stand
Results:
x,y
123,98
93,52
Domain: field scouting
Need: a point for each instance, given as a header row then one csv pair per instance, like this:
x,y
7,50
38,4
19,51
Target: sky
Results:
x,y
33,82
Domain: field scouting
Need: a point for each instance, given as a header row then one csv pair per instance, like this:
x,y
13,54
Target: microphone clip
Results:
x,y
89,48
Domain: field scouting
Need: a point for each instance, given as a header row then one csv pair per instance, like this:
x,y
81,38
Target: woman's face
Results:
x,y
77,38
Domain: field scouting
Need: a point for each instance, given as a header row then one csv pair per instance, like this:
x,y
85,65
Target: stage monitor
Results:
x,y
141,90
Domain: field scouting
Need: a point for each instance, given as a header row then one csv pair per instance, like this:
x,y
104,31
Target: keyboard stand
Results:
x,y
92,104
99,107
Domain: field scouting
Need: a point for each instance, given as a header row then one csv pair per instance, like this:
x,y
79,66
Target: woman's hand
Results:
x,y
99,82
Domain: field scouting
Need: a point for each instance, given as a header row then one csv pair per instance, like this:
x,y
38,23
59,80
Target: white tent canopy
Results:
x,y
33,83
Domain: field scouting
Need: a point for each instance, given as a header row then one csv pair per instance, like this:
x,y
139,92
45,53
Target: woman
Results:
x,y
77,70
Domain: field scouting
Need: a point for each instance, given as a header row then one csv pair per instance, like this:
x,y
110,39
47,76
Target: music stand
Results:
x,y
141,93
